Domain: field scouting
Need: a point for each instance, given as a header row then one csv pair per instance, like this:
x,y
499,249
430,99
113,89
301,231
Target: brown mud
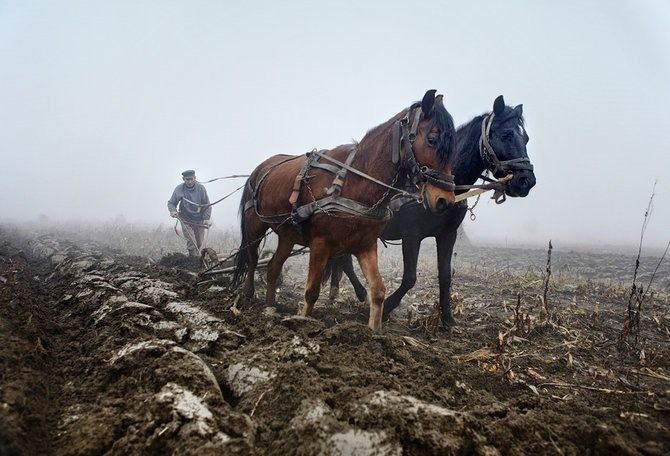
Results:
x,y
102,352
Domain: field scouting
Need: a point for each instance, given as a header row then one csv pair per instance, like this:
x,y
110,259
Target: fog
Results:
x,y
103,104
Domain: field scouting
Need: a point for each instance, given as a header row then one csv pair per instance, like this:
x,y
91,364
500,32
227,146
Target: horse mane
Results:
x,y
378,139
467,134
443,121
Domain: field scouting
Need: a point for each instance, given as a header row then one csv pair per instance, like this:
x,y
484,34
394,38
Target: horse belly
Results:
x,y
345,234
276,188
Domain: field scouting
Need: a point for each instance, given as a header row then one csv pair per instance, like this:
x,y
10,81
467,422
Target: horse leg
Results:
x,y
255,231
445,249
335,278
348,269
274,269
368,262
318,257
410,256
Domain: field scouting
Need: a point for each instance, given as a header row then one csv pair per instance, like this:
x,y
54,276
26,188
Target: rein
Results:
x,y
363,175
498,186
232,176
217,201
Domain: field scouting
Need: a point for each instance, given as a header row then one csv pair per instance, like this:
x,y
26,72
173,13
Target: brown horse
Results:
x,y
336,201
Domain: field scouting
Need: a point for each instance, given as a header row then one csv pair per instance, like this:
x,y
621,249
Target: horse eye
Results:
x,y
506,135
432,140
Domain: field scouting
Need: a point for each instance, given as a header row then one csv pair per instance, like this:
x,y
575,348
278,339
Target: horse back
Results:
x,y
274,181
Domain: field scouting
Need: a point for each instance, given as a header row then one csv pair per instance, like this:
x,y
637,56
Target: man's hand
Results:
x,y
174,214
207,223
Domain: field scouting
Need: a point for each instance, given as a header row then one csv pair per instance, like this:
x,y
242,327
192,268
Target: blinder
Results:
x,y
404,136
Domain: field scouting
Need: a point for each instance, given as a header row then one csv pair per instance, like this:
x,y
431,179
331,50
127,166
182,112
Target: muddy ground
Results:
x,y
107,352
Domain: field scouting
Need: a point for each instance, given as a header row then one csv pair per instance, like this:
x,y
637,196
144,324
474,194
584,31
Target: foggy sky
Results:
x,y
103,104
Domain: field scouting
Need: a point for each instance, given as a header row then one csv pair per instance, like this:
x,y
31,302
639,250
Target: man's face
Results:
x,y
189,181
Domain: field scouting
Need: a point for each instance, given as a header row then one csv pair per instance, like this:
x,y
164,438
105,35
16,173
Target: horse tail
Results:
x,y
242,255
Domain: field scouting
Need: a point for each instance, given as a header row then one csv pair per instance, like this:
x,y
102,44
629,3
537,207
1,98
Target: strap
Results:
x,y
395,153
330,168
398,202
410,159
415,125
439,180
362,174
489,156
336,186
342,205
328,205
297,183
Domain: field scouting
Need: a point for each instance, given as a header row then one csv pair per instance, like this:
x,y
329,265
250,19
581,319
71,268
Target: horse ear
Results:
x,y
428,102
499,106
439,100
519,110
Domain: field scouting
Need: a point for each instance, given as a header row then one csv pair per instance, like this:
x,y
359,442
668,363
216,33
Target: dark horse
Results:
x,y
494,141
336,201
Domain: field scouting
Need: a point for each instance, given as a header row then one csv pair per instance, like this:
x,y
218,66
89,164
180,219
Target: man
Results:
x,y
194,211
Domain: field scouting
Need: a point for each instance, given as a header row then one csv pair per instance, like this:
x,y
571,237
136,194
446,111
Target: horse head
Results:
x,y
427,144
503,147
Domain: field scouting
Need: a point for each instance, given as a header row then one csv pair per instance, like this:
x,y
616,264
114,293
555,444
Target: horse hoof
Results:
x,y
304,310
375,326
449,322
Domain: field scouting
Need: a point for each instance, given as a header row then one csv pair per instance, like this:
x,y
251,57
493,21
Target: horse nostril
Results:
x,y
441,204
524,182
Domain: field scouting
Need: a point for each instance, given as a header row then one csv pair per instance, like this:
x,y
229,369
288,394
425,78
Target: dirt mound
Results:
x,y
179,260
103,354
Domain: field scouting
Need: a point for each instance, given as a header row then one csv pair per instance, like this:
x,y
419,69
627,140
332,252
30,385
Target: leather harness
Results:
x,y
403,137
489,157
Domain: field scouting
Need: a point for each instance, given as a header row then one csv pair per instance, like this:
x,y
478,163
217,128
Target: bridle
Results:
x,y
404,136
503,170
491,161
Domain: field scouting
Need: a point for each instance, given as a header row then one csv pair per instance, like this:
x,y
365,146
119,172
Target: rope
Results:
x,y
498,186
232,176
215,202
191,238
258,239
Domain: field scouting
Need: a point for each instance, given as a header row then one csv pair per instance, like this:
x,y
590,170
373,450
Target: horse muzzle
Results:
x,y
520,184
436,199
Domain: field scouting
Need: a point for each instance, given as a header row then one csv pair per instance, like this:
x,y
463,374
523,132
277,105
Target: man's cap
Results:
x,y
188,173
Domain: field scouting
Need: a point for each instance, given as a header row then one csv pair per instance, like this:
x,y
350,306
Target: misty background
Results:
x,y
103,104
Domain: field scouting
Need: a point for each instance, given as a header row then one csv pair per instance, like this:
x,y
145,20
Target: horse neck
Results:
x,y
376,162
468,164
375,154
